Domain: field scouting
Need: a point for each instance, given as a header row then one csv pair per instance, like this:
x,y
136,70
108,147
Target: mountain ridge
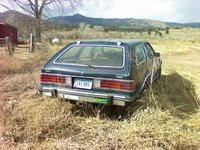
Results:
x,y
187,24
19,19
76,19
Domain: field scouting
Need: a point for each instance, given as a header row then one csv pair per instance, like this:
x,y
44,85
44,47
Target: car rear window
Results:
x,y
105,56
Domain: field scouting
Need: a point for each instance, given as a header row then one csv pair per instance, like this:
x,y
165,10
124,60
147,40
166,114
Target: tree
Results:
x,y
167,30
149,31
98,28
36,8
157,32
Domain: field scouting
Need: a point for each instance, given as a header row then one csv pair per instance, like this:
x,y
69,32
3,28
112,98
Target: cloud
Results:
x,y
96,8
165,10
187,11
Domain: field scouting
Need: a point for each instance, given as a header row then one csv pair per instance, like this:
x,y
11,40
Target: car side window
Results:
x,y
140,56
149,51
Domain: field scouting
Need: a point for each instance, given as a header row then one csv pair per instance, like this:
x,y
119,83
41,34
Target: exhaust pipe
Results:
x,y
80,104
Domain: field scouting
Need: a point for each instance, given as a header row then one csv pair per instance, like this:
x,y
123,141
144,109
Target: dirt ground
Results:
x,y
189,61
19,52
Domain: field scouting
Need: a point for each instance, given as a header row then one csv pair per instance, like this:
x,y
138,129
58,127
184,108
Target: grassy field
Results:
x,y
166,117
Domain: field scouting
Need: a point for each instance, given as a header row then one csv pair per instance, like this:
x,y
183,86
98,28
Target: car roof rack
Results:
x,y
78,42
119,43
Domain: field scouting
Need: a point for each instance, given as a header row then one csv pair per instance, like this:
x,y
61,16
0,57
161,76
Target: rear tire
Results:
x,y
158,75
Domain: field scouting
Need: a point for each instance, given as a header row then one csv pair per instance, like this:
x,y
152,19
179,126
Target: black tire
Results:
x,y
158,75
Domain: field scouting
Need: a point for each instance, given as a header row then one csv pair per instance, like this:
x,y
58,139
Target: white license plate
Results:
x,y
47,93
70,97
82,83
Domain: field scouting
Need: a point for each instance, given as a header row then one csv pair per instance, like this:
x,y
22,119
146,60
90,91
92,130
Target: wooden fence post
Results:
x,y
31,48
9,46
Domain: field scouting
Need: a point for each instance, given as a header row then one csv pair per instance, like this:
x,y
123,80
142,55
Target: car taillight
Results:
x,y
53,78
118,85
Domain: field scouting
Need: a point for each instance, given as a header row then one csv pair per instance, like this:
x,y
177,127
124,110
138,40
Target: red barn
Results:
x,y
10,31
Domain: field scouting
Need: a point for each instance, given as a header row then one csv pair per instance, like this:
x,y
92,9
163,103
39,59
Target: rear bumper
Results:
x,y
86,96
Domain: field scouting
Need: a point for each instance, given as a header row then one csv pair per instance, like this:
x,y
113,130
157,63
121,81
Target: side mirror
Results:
x,y
157,54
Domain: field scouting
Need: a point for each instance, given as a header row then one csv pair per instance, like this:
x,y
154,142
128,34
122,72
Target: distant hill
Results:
x,y
114,22
175,24
15,18
24,23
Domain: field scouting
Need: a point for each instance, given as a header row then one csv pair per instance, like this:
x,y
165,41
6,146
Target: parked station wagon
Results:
x,y
111,72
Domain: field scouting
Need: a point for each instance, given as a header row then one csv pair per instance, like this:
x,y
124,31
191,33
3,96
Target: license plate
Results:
x,y
47,93
70,97
82,84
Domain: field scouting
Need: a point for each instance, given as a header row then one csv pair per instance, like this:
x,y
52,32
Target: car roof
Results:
x,y
117,42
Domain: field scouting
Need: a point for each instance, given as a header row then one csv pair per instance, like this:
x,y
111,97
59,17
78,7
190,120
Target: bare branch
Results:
x,y
32,5
43,5
49,2
5,6
22,6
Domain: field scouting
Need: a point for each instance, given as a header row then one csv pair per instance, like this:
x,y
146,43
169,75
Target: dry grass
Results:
x,y
177,41
11,65
166,117
48,123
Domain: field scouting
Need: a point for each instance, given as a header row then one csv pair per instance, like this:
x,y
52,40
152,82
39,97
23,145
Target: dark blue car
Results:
x,y
111,72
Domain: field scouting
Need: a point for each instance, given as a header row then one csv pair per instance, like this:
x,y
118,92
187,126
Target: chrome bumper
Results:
x,y
83,96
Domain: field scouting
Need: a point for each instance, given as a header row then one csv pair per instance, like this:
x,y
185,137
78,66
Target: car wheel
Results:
x,y
158,76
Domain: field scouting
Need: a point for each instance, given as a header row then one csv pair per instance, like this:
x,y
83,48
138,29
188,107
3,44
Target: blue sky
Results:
x,y
164,10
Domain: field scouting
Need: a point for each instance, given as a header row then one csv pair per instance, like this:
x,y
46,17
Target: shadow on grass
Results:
x,y
176,94
173,93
